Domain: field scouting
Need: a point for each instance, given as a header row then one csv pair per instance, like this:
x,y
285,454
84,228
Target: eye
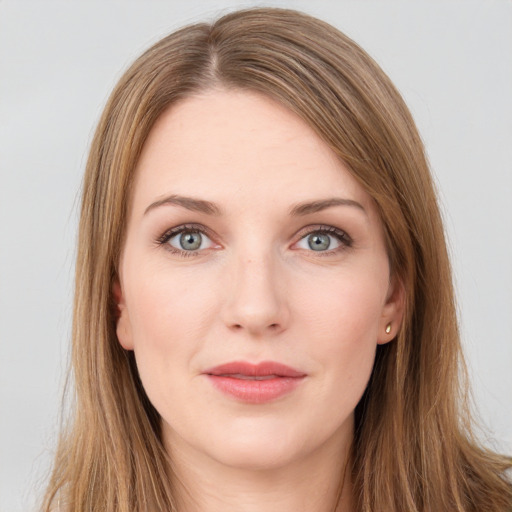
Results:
x,y
318,241
186,240
190,241
324,240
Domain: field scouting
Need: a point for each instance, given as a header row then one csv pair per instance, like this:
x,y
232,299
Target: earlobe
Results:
x,y
392,313
123,325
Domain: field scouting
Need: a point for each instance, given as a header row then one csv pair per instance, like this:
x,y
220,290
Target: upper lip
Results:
x,y
262,369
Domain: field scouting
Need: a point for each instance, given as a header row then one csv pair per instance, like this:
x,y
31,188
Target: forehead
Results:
x,y
235,146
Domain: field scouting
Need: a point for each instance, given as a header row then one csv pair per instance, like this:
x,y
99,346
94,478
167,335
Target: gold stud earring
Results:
x,y
388,328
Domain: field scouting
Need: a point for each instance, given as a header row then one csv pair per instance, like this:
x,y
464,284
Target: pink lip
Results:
x,y
239,379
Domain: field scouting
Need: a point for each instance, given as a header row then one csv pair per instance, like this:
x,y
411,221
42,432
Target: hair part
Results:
x,y
413,448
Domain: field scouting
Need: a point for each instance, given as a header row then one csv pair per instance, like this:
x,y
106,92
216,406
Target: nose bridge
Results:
x,y
256,302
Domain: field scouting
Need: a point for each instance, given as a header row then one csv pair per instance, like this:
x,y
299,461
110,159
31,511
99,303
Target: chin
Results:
x,y
266,443
251,444
258,454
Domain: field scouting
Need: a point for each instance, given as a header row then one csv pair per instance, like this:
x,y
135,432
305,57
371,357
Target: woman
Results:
x,y
259,321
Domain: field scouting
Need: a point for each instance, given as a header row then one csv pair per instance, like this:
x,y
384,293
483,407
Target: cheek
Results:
x,y
171,314
166,304
341,319
346,306
166,334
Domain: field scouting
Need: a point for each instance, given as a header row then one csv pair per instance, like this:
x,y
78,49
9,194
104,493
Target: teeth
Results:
x,y
250,377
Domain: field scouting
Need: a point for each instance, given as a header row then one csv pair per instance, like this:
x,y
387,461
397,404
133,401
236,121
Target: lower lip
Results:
x,y
255,391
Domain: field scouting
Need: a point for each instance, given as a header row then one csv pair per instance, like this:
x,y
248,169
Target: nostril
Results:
x,y
272,327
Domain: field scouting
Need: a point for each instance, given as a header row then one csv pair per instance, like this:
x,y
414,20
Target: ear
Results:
x,y
123,324
392,312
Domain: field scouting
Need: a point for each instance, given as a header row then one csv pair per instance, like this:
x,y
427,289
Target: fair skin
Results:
x,y
286,262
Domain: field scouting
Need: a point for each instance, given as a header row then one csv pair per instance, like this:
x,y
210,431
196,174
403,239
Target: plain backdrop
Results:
x,y
452,61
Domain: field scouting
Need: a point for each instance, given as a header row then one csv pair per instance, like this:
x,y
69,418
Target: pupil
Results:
x,y
190,241
319,242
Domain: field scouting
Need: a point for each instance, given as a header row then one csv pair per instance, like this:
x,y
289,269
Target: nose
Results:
x,y
256,297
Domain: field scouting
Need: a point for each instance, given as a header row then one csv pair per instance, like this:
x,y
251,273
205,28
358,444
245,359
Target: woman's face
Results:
x,y
248,242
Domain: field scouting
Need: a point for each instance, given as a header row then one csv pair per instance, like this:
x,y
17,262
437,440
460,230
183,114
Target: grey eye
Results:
x,y
319,241
190,241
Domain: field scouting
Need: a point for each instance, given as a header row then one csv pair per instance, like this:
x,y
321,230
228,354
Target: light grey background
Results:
x,y
58,62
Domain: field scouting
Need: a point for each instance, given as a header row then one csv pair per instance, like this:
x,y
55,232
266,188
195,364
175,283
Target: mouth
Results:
x,y
255,383
249,377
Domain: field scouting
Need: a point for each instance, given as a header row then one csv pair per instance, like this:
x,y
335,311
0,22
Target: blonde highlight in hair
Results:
x,y
413,448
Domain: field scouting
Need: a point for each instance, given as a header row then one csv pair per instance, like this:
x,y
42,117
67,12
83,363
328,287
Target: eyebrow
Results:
x,y
307,208
209,208
190,203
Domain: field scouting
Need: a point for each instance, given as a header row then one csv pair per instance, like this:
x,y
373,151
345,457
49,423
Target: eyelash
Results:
x,y
344,239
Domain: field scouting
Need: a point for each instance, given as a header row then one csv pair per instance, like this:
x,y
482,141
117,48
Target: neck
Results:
x,y
320,482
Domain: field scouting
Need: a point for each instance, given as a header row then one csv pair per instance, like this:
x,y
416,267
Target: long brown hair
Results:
x,y
413,447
